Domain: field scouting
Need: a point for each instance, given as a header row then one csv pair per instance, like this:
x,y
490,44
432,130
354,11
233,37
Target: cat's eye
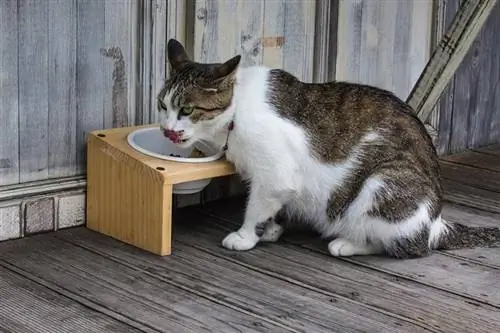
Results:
x,y
186,111
162,105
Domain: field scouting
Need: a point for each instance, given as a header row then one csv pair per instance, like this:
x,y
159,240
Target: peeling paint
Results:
x,y
119,90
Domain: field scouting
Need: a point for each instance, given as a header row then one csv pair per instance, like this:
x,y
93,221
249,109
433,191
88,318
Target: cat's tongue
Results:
x,y
171,135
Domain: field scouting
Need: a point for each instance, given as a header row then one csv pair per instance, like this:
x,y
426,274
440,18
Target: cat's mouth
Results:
x,y
175,137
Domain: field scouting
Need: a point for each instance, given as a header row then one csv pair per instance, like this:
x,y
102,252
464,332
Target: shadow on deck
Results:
x,y
78,281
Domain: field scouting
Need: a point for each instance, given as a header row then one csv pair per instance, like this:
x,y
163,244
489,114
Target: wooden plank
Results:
x,y
479,178
470,196
475,159
62,88
274,34
445,12
474,217
159,68
491,149
384,43
9,93
33,90
422,305
117,61
299,29
325,40
470,215
448,56
30,308
158,303
482,111
479,282
90,87
299,308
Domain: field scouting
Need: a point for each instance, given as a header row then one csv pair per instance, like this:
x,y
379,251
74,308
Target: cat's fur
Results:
x,y
351,159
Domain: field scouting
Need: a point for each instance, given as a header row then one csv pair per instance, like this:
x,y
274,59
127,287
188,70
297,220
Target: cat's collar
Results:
x,y
230,127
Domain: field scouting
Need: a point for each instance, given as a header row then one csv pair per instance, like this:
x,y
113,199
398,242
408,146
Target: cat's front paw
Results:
x,y
240,241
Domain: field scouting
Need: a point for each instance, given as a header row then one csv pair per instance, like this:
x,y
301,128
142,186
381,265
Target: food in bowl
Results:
x,y
194,154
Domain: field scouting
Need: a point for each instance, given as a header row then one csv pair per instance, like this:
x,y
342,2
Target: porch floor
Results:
x,y
76,280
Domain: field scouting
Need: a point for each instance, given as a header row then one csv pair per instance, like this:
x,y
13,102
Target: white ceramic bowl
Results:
x,y
151,141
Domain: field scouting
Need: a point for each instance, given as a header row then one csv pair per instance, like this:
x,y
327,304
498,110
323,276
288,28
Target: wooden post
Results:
x,y
448,55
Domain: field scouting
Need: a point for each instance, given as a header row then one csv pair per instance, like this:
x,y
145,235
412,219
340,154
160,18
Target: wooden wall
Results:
x,y
67,67
384,43
470,106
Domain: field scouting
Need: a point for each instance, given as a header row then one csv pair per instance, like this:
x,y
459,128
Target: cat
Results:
x,y
352,160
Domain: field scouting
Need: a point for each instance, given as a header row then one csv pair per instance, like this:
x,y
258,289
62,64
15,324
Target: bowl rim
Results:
x,y
130,140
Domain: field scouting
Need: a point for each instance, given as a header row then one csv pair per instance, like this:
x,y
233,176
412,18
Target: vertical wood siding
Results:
x,y
9,92
67,67
384,43
470,107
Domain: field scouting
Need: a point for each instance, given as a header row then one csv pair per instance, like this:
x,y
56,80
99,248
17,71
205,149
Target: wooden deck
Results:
x,y
78,281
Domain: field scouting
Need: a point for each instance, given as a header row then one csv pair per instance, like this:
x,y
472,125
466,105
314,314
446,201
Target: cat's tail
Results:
x,y
461,236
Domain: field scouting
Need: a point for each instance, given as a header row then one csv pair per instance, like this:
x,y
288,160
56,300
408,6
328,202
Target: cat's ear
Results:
x,y
176,53
228,68
223,75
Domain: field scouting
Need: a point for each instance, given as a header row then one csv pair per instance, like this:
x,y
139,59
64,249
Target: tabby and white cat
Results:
x,y
351,159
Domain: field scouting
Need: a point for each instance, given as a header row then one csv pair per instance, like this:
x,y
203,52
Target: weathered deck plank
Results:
x,y
476,159
132,293
265,298
103,285
30,308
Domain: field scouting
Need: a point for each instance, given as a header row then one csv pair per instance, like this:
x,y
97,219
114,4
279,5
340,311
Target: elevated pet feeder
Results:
x,y
131,177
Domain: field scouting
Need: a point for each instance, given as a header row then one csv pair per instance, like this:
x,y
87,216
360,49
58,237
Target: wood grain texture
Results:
x,y
476,159
470,116
117,52
471,196
28,307
162,16
272,298
446,11
9,93
423,305
33,90
156,300
469,175
126,199
325,40
298,48
274,31
62,41
384,43
90,87
490,149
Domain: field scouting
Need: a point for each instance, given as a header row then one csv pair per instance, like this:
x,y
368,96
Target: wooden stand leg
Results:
x,y
166,233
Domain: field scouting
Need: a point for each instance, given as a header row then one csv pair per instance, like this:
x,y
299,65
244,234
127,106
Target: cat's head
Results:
x,y
194,96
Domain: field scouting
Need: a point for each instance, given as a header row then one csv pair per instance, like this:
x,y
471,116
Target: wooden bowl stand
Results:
x,y
129,194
